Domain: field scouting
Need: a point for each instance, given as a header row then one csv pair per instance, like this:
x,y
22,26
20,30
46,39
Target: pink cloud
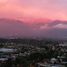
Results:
x,y
27,10
62,26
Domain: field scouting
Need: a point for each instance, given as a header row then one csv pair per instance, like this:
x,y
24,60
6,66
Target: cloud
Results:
x,y
3,1
62,26
58,24
52,9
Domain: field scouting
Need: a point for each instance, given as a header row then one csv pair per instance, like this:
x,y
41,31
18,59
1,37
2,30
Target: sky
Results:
x,y
40,15
29,10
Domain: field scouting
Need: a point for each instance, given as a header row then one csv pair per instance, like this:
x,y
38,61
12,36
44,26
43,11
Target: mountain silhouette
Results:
x,y
16,28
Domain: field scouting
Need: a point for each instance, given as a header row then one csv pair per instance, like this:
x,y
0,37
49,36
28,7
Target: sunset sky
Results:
x,y
47,17
34,9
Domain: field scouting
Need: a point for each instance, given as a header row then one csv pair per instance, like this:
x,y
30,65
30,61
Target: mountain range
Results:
x,y
10,28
